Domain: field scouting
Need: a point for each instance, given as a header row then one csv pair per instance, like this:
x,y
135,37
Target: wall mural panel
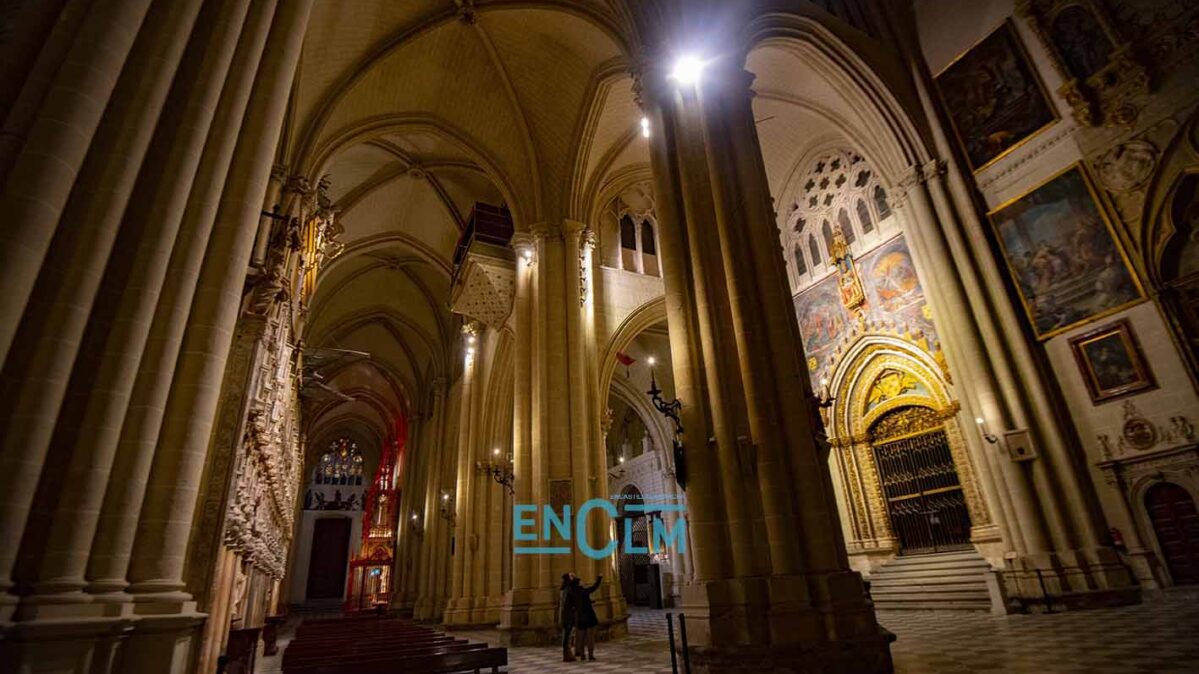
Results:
x,y
895,304
994,97
1061,252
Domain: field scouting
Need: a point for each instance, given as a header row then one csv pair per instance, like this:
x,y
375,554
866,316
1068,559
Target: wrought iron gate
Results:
x,y
920,483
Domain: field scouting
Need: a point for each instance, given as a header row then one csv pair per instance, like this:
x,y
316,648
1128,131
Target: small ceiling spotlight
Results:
x,y
645,127
687,69
651,361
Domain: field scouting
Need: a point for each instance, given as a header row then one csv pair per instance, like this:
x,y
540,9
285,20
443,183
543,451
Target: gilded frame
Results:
x,y
1021,53
1132,348
1111,231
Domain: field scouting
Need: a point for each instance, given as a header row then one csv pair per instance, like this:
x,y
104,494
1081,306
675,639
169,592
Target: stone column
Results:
x,y
555,429
436,526
156,570
1025,397
456,612
195,200
129,295
773,588
519,600
43,173
39,367
968,358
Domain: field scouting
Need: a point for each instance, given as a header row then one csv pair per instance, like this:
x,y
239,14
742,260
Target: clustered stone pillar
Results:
x,y
144,142
1051,515
432,551
556,430
772,585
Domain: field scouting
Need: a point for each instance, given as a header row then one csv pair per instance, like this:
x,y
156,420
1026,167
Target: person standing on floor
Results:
x,y
587,620
568,611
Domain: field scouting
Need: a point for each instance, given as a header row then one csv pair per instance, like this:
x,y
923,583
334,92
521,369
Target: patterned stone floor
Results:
x,y
1159,636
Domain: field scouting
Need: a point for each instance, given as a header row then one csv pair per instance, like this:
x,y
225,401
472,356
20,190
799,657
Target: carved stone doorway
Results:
x,y
925,500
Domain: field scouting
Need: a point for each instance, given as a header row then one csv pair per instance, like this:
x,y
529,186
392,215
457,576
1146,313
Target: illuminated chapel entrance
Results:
x,y
923,493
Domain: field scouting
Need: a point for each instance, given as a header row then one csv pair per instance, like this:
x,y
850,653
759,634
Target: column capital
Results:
x,y
541,231
572,229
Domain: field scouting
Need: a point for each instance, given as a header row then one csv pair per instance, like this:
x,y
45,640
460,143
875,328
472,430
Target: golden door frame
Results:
x,y
864,387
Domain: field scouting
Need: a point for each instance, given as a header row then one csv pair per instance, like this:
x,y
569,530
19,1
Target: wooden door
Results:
x,y
1176,524
330,554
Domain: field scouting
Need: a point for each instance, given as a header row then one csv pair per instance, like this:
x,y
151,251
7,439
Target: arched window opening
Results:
x,y
864,217
648,247
846,226
800,267
880,202
814,248
826,230
628,233
341,464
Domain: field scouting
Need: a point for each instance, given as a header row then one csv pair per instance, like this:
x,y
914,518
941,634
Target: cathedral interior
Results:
x,y
829,335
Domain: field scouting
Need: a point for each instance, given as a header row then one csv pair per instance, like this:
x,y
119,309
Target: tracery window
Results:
x,y
838,189
880,202
633,210
846,227
864,217
340,464
628,233
648,247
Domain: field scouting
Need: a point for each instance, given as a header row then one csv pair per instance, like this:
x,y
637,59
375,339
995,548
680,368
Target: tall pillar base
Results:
x,y
800,623
102,639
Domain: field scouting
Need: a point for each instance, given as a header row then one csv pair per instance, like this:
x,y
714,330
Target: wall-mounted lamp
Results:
x,y
617,472
986,432
445,509
499,469
645,127
526,254
415,524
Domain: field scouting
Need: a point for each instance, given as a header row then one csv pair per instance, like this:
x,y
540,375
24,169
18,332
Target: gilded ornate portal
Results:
x,y
924,496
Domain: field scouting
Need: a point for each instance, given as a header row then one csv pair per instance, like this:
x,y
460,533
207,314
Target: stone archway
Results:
x,y
878,376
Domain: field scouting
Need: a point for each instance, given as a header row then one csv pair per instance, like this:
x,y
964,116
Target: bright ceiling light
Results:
x,y
652,361
687,70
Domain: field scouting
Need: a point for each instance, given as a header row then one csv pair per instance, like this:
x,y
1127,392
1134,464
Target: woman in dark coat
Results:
x,y
568,611
587,621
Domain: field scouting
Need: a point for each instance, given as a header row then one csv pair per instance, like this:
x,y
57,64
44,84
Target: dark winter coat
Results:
x,y
568,603
587,618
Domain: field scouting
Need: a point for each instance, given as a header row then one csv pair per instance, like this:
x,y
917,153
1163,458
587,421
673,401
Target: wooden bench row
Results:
x,y
380,645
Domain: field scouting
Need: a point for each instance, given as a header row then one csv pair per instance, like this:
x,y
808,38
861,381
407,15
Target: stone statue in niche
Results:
x,y
1105,80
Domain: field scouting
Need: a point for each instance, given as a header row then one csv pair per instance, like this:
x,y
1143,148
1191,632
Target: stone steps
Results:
x,y
954,581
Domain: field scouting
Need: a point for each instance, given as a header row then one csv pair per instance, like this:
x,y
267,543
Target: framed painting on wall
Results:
x,y
1111,362
994,98
1062,254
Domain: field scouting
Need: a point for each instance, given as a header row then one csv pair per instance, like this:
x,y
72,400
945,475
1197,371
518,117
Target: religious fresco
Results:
x,y
894,303
994,97
823,320
1060,251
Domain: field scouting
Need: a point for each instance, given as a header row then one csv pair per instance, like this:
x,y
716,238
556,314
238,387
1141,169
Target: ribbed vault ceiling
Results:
x,y
417,110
